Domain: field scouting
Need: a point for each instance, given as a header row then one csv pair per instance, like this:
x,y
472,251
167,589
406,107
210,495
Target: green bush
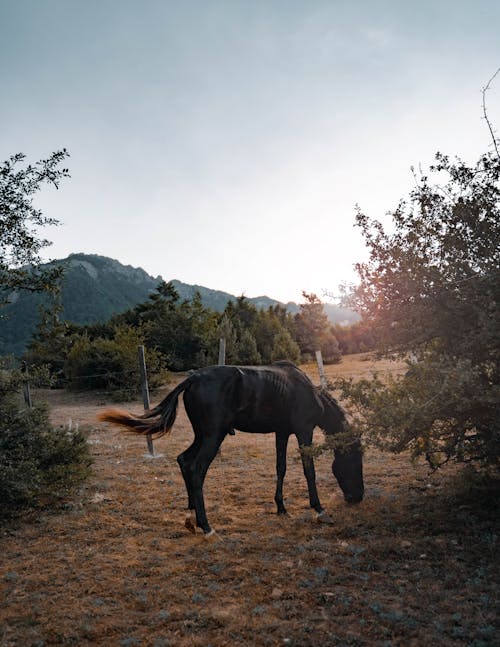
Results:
x,y
112,364
38,464
430,293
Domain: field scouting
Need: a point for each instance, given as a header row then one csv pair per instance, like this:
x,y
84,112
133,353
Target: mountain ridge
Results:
x,y
95,287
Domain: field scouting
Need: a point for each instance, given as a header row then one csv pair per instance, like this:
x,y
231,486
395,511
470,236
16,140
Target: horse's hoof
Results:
x,y
190,523
324,517
211,536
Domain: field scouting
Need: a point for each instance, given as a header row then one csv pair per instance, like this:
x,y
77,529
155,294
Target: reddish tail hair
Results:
x,y
159,421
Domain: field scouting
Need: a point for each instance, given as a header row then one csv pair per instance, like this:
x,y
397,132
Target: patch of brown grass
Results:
x,y
414,564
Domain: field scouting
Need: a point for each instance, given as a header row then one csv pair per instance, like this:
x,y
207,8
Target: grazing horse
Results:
x,y
277,399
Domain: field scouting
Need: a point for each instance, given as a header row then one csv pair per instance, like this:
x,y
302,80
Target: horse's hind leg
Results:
x,y
184,460
199,467
281,445
194,464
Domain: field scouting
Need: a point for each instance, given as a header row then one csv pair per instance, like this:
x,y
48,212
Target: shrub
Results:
x,y
38,464
111,364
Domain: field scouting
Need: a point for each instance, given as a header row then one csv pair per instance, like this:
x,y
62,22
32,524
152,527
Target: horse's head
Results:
x,y
347,468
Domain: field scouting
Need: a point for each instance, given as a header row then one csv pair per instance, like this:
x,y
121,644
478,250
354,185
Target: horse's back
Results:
x,y
211,396
258,399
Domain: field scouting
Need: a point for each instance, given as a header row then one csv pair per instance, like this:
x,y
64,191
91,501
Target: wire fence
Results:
x,y
141,370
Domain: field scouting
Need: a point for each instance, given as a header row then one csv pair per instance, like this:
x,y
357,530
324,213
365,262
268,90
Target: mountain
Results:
x,y
96,287
217,300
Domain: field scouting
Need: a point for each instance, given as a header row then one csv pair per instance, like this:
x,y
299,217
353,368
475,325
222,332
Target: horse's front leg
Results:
x,y
281,445
310,474
305,442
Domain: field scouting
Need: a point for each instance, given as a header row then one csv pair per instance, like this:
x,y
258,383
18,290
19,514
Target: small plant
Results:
x,y
38,464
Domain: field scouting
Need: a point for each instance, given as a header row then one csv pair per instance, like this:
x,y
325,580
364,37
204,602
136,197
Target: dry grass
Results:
x,y
414,564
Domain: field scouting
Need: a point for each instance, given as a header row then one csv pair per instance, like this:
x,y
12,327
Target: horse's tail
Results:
x,y
158,421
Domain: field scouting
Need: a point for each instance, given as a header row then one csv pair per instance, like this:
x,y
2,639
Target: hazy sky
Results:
x,y
226,143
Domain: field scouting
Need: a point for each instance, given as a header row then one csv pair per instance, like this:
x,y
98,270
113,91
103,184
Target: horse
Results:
x,y
278,399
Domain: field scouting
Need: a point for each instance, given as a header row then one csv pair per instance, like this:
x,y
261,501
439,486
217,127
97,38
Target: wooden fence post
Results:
x,y
27,394
145,393
26,387
321,370
222,351
222,362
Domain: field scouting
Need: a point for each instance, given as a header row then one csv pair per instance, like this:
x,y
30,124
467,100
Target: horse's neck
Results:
x,y
333,416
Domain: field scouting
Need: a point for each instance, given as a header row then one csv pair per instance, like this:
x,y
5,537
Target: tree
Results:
x,y
111,363
184,332
430,292
284,347
52,340
248,353
20,243
256,336
37,462
314,331
356,338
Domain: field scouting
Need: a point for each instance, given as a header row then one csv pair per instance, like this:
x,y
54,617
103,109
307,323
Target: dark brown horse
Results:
x,y
277,399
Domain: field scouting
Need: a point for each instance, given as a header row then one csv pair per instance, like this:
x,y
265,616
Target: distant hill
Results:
x,y
96,287
217,300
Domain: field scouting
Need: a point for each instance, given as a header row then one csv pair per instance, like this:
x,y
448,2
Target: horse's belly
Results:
x,y
255,424
253,430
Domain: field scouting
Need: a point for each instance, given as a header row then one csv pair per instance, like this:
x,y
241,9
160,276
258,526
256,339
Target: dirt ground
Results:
x,y
415,564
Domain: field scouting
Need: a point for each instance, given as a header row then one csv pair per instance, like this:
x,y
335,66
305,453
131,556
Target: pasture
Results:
x,y
414,564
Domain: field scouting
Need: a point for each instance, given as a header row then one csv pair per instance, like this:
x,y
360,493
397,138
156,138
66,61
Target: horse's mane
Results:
x,y
298,373
327,397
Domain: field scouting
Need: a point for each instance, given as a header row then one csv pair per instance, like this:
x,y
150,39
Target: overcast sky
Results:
x,y
226,143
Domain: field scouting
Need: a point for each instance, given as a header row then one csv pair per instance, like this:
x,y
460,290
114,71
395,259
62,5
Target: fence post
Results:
x,y
145,393
222,361
26,387
321,370
222,351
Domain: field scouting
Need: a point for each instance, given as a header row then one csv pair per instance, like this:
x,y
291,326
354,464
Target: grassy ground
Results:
x,y
415,564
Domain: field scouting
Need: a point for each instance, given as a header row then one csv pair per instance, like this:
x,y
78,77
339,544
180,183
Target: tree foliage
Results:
x,y
20,243
178,335
430,294
38,464
314,331
184,332
111,364
52,341
257,336
356,338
